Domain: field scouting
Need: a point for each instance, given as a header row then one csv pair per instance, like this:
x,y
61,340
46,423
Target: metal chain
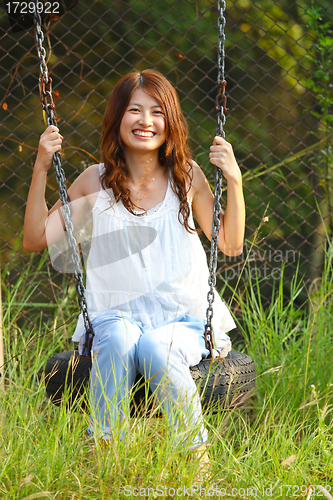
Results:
x,y
220,107
49,106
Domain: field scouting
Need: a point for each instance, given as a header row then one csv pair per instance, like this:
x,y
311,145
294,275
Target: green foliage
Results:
x,y
321,84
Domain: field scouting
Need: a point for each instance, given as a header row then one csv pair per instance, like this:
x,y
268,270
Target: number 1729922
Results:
x,y
289,490
31,7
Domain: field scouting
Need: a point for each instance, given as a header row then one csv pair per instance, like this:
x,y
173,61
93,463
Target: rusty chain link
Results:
x,y
48,107
220,107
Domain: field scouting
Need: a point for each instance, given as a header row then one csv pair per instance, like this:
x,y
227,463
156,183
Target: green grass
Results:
x,y
44,451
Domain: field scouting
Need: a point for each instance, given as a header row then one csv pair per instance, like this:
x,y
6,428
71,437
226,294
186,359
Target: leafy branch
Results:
x,y
321,84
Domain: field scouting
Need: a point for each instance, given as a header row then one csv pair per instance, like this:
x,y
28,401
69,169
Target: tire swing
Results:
x,y
225,381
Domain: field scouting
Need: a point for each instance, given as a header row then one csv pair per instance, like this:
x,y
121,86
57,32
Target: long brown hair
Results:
x,y
174,154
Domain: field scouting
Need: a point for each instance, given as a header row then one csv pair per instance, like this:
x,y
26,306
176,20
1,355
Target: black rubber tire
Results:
x,y
224,382
66,371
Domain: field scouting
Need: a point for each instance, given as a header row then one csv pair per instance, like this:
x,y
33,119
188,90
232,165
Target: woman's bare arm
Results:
x,y
37,214
232,227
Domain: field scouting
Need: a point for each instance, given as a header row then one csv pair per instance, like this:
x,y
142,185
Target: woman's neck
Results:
x,y
143,167
147,180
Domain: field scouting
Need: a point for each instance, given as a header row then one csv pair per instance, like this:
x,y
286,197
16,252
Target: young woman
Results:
x,y
147,274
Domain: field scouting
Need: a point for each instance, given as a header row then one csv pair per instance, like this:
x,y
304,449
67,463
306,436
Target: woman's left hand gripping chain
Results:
x,y
222,156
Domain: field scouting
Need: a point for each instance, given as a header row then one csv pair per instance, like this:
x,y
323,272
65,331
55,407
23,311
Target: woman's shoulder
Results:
x,y
92,173
89,180
198,180
86,185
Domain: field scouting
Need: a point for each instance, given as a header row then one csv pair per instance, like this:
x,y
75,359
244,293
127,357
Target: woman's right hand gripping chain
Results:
x,y
50,142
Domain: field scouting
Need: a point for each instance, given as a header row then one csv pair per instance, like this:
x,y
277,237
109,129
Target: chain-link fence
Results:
x,y
276,73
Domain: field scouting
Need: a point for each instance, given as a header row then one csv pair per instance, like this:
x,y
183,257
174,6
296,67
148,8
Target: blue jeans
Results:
x,y
163,356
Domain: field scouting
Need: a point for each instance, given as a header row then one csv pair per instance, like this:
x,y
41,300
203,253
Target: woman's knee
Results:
x,y
168,346
156,354
115,335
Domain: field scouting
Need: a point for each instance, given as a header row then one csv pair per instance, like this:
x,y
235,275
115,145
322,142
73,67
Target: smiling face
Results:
x,y
142,127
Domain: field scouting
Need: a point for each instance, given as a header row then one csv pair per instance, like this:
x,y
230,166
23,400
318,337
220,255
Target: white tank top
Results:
x,y
148,267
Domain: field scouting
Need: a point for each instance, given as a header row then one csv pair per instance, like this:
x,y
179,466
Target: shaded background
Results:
x,y
277,123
